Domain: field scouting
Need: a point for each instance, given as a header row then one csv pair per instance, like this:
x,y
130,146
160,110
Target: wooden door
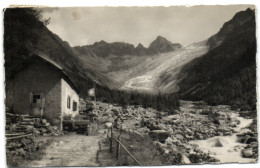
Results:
x,y
37,100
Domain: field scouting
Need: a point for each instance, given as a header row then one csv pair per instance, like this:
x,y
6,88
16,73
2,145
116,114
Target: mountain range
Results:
x,y
220,69
104,49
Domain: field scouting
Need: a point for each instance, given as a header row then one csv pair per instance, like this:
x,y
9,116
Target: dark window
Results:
x,y
36,97
68,102
74,106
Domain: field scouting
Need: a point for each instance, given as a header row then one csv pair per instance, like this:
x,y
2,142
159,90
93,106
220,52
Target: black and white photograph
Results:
x,y
130,86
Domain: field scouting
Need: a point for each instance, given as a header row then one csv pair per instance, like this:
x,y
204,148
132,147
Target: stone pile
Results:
x,y
19,140
20,136
251,150
251,139
44,128
18,145
26,124
179,152
20,148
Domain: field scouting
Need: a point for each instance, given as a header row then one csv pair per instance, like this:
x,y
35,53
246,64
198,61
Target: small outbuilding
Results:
x,y
42,88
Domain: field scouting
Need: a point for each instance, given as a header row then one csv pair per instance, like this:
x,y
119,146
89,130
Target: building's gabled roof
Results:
x,y
45,58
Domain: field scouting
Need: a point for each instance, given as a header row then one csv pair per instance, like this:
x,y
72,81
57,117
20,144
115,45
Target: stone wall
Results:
x,y
67,90
38,77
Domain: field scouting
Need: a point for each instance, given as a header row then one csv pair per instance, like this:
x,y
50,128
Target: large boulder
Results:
x,y
169,141
247,153
160,135
218,143
185,159
160,126
115,111
108,124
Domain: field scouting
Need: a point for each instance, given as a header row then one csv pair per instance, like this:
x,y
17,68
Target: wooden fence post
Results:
x,y
118,144
108,133
111,140
117,150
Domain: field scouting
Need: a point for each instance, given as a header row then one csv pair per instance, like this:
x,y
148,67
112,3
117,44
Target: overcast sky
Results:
x,y
184,25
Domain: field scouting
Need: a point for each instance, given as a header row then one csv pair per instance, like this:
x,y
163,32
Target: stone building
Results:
x,y
42,88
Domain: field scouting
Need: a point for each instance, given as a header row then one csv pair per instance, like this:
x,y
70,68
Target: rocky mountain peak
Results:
x,y
140,50
160,39
140,46
238,20
161,45
100,43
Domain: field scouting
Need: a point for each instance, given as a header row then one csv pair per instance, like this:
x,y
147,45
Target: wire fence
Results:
x,y
118,148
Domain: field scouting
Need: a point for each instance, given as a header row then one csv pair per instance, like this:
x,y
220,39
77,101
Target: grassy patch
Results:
x,y
142,148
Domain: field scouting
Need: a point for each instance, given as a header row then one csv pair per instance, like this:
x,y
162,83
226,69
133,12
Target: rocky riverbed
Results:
x,y
229,149
196,133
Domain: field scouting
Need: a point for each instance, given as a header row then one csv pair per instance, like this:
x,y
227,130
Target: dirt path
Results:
x,y
70,150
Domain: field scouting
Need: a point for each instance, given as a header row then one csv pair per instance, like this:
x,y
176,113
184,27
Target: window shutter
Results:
x,y
74,106
68,102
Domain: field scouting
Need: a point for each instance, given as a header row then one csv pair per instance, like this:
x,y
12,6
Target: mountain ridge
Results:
x,y
105,49
238,19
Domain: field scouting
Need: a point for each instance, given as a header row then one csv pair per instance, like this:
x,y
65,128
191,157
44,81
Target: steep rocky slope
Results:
x,y
238,20
227,73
